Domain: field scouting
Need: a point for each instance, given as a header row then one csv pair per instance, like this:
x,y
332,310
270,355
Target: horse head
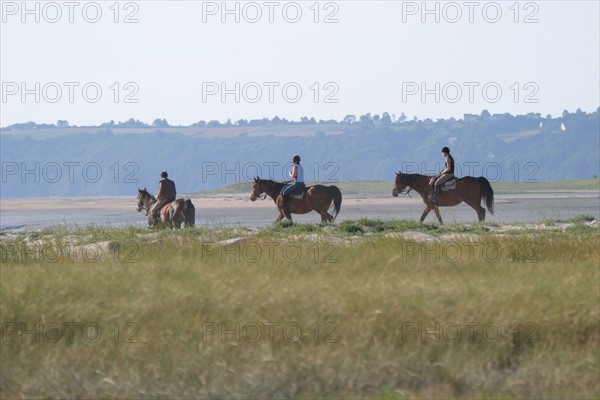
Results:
x,y
399,184
143,197
257,189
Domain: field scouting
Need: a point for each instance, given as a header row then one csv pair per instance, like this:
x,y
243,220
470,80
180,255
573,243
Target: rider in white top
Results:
x,y
297,175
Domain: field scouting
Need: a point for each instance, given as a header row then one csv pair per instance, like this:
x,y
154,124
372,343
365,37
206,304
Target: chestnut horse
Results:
x,y
317,198
178,212
469,189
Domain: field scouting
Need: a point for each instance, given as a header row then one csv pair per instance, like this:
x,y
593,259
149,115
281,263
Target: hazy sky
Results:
x,y
371,56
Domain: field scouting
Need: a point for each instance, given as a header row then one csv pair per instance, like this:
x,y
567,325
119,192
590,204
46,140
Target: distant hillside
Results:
x,y
71,161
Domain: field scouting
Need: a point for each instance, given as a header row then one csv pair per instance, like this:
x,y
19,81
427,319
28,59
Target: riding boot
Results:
x,y
436,190
284,206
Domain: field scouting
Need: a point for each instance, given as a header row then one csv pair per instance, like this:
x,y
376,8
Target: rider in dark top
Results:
x,y
166,194
445,174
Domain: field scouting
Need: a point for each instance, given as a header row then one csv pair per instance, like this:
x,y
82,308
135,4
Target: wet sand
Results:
x,y
237,209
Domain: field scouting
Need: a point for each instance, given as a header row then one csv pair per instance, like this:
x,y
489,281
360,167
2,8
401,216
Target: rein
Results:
x,y
272,185
411,181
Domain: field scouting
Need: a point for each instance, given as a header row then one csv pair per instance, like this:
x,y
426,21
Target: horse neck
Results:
x,y
273,189
150,200
419,183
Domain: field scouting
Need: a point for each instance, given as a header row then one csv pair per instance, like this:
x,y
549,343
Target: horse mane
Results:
x,y
273,184
145,193
411,178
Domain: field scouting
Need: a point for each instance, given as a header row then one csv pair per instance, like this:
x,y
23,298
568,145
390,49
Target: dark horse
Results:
x,y
469,189
317,198
172,215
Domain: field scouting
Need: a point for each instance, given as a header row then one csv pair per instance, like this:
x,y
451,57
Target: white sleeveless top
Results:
x,y
300,174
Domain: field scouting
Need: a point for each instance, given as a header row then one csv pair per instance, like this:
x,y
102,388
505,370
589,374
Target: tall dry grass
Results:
x,y
375,300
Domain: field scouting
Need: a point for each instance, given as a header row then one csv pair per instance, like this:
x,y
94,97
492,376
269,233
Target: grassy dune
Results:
x,y
362,309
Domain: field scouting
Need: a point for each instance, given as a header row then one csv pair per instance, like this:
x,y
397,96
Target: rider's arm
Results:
x,y
294,172
447,169
160,188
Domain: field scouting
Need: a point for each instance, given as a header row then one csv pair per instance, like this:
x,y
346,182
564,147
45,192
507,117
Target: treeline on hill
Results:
x,y
350,119
106,160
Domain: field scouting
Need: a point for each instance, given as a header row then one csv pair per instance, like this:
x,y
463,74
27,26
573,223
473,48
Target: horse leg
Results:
x,y
280,216
481,214
173,216
326,217
176,219
476,205
165,220
439,216
425,212
319,207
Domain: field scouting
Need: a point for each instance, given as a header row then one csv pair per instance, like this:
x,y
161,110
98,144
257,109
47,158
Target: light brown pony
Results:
x,y
469,189
318,198
172,215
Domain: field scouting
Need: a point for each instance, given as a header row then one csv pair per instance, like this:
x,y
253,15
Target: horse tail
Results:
x,y
487,194
337,201
189,213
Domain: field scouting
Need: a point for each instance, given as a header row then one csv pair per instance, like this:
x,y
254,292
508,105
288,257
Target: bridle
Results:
x,y
407,192
147,206
264,194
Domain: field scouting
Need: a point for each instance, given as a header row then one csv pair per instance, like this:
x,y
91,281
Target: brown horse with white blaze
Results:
x,y
469,189
318,198
172,215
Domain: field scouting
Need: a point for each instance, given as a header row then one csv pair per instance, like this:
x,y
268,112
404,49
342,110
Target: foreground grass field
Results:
x,y
362,309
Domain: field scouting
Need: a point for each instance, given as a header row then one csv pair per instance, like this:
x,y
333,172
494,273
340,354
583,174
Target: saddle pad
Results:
x,y
298,193
449,184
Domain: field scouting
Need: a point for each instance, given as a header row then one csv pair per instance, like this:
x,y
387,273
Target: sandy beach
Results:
x,y
237,209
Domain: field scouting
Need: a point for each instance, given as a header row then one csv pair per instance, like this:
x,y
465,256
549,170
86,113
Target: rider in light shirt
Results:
x,y
297,175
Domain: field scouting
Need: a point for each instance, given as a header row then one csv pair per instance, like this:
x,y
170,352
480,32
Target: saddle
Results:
x,y
298,193
448,185
165,209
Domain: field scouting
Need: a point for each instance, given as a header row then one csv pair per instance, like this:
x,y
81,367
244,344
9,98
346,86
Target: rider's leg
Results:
x,y
155,210
438,184
285,194
286,210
